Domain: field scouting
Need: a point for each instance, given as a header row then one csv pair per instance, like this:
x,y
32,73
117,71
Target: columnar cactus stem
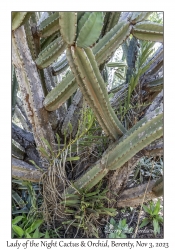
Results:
x,y
49,54
142,134
49,25
61,93
30,85
68,26
18,18
85,93
111,41
95,86
148,31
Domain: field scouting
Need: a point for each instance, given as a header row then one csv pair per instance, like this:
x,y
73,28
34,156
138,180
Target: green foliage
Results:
x,y
116,64
16,198
117,230
26,220
141,67
25,197
120,69
85,208
70,145
137,66
156,17
23,229
144,167
153,216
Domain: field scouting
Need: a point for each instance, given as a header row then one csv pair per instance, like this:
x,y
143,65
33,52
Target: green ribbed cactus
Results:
x,y
60,56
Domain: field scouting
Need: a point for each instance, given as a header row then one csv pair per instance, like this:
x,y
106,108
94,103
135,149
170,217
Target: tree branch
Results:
x,y
26,140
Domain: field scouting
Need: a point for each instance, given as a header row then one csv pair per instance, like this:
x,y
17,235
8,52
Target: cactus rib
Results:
x,y
135,139
83,89
45,41
68,26
116,64
21,118
60,93
89,28
97,48
111,41
30,40
49,25
119,127
113,20
17,19
50,53
148,31
60,66
96,88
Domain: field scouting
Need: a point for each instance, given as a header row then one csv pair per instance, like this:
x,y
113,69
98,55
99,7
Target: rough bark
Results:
x,y
26,140
31,89
134,196
25,171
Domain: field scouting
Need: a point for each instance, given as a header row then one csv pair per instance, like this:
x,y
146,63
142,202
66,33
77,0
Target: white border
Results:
x,y
5,98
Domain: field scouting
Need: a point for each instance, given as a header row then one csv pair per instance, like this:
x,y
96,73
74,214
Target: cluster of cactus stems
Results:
x,y
89,40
